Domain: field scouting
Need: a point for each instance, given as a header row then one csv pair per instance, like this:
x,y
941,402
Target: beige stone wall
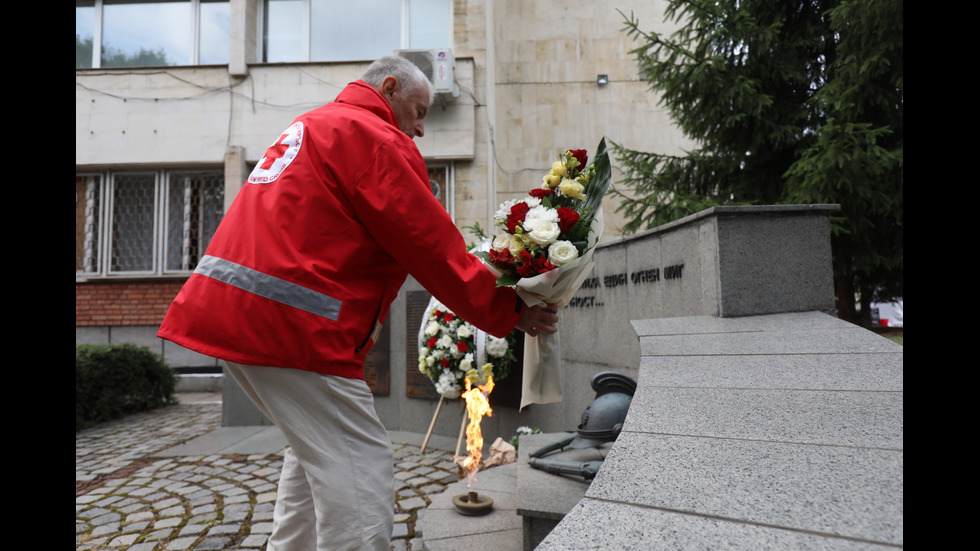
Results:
x,y
546,56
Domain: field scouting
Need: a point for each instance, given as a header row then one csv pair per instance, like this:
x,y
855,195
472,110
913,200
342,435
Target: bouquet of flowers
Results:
x,y
543,246
452,350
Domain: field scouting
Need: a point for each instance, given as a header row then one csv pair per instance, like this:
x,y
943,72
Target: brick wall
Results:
x,y
118,303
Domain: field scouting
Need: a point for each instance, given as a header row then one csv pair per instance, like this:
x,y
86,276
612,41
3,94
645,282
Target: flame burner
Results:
x,y
473,504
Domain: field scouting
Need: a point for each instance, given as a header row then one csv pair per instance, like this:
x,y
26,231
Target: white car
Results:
x,y
889,314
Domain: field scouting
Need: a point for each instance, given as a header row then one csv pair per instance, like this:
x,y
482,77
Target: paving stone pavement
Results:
x,y
129,496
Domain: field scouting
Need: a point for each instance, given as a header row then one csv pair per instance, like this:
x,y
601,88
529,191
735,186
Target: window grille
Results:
x,y
131,237
88,191
156,222
195,203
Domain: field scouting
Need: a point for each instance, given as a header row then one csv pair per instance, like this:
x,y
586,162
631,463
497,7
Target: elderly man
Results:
x,y
298,279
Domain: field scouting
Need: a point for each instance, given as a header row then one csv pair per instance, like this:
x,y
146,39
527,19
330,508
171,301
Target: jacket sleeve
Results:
x,y
396,205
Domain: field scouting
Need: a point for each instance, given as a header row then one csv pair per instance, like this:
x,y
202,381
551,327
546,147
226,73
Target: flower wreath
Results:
x,y
452,349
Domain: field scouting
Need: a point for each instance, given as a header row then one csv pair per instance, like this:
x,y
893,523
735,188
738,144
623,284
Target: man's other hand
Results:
x,y
539,319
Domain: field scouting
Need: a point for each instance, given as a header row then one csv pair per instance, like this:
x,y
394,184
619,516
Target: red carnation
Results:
x,y
449,317
541,193
516,216
519,210
582,156
462,346
502,258
541,265
567,218
526,268
444,362
432,342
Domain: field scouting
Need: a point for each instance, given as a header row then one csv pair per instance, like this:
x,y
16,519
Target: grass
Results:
x,y
895,334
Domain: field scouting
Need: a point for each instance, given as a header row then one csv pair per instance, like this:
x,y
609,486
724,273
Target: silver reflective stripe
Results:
x,y
270,287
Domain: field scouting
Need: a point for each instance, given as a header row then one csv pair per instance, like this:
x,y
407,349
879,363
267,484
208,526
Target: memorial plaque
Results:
x,y
417,385
377,365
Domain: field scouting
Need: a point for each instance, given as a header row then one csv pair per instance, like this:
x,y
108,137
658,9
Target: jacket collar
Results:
x,y
361,94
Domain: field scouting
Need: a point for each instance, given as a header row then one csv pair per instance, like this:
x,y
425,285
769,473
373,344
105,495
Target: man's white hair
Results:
x,y
410,77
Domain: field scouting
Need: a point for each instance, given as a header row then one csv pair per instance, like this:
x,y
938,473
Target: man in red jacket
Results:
x,y
298,279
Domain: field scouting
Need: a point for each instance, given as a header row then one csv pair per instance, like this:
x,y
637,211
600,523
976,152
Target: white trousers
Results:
x,y
336,488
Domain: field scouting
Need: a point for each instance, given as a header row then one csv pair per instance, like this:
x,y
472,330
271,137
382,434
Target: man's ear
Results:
x,y
388,87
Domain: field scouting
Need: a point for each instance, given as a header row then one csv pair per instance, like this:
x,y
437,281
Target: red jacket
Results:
x,y
303,268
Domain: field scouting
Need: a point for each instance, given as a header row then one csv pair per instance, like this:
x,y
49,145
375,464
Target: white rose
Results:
x,y
431,329
562,252
464,331
501,242
446,341
545,233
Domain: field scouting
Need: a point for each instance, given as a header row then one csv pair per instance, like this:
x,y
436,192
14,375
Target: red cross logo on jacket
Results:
x,y
278,156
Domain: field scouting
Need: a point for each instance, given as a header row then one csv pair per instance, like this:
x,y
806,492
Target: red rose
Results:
x,y
432,342
582,156
541,193
462,346
449,317
567,218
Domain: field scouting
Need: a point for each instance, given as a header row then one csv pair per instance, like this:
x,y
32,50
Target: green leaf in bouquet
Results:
x,y
507,280
603,177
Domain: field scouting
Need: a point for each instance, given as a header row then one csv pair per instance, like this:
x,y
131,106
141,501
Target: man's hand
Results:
x,y
539,319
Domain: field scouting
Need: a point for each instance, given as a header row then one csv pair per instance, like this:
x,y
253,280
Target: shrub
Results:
x,y
113,380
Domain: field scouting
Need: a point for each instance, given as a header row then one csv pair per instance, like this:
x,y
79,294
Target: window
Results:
x,y
441,182
134,33
341,30
145,223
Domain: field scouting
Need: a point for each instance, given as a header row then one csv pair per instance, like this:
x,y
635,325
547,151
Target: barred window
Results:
x,y
145,223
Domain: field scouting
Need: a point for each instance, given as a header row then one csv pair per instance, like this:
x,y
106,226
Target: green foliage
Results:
x,y
115,380
789,102
114,57
83,52
857,159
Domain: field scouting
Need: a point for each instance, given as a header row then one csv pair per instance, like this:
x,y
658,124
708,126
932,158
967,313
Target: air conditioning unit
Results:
x,y
437,64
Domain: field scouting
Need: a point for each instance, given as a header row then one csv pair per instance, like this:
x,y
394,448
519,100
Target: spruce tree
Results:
x,y
787,101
